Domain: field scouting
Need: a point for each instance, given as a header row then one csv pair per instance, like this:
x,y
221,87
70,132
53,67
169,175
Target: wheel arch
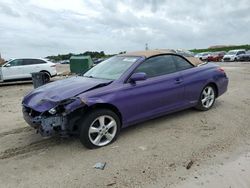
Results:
x,y
214,85
106,106
47,72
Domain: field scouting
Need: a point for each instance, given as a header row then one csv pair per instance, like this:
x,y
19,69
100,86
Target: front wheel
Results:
x,y
207,98
99,128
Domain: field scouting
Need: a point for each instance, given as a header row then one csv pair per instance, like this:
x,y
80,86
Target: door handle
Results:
x,y
178,80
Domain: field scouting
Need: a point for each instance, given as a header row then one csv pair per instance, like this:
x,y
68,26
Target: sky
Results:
x,y
38,28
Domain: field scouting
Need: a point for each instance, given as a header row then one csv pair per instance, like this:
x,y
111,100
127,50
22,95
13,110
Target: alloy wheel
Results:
x,y
207,97
102,130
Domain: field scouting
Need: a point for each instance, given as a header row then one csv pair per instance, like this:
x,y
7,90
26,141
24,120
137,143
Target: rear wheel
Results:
x,y
99,128
207,98
47,78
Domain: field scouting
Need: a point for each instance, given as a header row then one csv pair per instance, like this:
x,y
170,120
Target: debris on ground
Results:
x,y
111,184
65,73
143,148
100,165
172,165
189,165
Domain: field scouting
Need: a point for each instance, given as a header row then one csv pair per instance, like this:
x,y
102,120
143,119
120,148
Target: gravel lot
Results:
x,y
152,154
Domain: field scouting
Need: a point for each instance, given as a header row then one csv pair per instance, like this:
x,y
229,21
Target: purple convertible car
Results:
x,y
121,91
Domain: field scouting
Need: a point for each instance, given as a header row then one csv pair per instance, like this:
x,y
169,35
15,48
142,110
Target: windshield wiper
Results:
x,y
88,76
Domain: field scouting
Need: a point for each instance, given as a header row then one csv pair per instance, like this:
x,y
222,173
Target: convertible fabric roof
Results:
x,y
150,53
195,61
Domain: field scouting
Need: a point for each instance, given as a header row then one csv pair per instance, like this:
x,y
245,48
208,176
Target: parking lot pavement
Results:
x,y
151,154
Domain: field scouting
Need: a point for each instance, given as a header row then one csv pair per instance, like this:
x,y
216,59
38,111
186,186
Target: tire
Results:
x,y
47,77
207,98
97,130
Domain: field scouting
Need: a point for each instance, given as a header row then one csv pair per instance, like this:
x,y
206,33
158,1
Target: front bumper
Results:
x,y
228,59
45,125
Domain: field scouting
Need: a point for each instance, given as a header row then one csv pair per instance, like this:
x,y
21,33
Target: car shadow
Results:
x,y
36,143
25,82
29,82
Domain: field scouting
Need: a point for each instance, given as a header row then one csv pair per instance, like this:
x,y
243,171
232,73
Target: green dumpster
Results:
x,y
80,64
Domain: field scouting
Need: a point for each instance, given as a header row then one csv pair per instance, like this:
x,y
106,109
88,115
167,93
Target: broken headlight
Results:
x,y
52,111
59,108
67,106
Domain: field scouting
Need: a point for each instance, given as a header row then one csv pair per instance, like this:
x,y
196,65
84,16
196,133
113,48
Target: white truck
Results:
x,y
20,69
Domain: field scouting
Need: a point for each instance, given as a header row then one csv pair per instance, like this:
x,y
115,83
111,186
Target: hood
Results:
x,y
49,95
229,55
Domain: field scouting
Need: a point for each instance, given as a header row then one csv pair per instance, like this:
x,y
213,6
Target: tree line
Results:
x,y
93,55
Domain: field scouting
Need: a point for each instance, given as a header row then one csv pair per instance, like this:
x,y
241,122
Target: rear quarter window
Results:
x,y
39,61
181,63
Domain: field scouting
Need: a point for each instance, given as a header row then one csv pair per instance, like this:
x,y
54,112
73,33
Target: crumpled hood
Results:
x,y
49,95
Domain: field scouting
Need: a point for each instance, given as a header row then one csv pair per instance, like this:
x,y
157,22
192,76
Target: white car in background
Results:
x,y
20,69
203,56
232,55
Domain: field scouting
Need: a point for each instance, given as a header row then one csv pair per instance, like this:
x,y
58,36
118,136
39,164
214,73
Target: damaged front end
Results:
x,y
60,119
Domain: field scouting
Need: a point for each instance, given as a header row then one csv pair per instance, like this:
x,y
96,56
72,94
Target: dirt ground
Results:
x,y
151,154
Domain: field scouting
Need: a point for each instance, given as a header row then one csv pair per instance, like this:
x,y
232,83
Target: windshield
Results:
x,y
231,52
111,68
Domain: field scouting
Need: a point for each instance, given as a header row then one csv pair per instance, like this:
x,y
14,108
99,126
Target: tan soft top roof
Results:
x,y
149,53
195,61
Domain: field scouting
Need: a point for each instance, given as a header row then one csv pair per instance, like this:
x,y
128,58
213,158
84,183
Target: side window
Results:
x,y
39,61
28,62
16,62
181,63
157,66
33,61
240,52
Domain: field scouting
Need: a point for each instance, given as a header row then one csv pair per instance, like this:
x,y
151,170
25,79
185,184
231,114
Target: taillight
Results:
x,y
221,69
52,65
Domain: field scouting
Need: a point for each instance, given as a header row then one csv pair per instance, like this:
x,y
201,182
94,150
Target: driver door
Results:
x,y
160,93
13,69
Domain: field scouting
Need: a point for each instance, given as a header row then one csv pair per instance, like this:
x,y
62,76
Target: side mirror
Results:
x,y
139,76
7,65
